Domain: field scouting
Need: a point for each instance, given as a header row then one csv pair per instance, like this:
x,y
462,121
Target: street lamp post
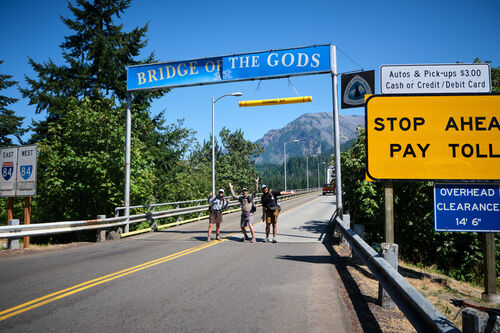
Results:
x,y
284,155
213,135
307,171
318,172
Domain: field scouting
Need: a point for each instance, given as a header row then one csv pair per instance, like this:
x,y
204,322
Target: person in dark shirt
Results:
x,y
270,209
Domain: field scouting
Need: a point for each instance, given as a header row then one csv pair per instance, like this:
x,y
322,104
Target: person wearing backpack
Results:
x,y
216,205
247,210
271,209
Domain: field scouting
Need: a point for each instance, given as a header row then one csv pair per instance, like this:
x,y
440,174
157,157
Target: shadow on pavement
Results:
x,y
359,301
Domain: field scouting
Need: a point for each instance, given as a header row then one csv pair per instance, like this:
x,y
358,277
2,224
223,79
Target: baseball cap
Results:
x,y
263,186
221,190
244,189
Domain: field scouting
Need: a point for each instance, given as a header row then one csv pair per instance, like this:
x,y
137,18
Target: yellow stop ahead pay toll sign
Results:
x,y
430,137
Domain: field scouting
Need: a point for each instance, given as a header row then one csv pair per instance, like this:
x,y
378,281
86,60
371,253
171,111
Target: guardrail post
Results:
x,y
101,233
475,321
179,218
346,222
359,229
390,254
200,214
154,225
13,242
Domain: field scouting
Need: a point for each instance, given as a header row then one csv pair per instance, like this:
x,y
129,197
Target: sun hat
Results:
x,y
221,190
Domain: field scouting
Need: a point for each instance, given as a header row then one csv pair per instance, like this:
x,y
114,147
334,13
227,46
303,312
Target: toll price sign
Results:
x,y
467,207
430,137
435,79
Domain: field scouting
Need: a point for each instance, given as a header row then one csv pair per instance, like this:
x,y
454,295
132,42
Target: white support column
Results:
x,y
128,139
336,131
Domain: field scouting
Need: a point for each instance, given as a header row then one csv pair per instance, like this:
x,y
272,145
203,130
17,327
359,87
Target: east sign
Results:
x,y
431,137
237,67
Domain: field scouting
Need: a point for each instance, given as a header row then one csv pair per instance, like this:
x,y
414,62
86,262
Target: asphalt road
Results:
x,y
174,281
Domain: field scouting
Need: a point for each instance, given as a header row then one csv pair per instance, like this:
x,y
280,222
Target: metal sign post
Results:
x,y
336,133
128,136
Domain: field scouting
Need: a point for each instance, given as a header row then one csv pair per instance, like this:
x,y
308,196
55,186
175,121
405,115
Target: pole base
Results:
x,y
491,298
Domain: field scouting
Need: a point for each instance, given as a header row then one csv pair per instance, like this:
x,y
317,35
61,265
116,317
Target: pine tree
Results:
x,y
96,57
82,139
10,124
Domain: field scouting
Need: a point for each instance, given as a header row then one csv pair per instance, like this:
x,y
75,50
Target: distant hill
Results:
x,y
315,130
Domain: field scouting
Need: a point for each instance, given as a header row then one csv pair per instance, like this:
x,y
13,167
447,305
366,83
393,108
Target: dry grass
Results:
x,y
34,249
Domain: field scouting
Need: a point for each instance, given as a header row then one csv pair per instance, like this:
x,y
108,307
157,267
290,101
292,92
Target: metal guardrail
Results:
x,y
177,204
39,229
419,311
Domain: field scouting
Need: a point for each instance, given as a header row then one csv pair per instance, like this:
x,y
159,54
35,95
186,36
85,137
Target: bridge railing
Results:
x,y
419,311
39,229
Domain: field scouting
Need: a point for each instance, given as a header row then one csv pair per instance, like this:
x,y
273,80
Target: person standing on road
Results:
x,y
217,205
270,209
247,204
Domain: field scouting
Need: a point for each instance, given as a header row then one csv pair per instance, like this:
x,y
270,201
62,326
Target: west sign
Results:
x,y
433,137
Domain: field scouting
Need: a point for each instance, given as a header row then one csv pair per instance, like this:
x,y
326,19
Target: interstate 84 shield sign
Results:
x,y
8,163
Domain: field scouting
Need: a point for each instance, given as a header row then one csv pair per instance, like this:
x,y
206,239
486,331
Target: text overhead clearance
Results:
x,y
249,66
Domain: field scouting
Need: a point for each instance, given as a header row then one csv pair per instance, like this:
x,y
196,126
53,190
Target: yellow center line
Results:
x,y
35,303
92,283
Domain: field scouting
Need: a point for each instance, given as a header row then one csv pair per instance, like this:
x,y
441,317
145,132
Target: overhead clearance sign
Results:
x,y
237,67
431,137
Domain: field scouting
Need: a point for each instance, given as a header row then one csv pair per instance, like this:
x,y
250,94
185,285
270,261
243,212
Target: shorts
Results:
x,y
246,219
215,217
272,216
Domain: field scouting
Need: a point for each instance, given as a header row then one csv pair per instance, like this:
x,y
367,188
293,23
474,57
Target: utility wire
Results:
x,y
348,57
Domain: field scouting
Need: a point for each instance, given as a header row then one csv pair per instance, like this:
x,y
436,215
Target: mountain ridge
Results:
x,y
315,132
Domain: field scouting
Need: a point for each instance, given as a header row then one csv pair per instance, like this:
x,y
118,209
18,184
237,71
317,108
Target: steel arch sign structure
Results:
x,y
272,64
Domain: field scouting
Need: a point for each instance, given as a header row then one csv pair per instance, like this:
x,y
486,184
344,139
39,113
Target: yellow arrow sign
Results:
x,y
288,100
433,137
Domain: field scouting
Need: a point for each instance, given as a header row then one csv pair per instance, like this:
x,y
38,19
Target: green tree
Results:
x,y
10,124
235,161
495,75
363,200
82,164
96,56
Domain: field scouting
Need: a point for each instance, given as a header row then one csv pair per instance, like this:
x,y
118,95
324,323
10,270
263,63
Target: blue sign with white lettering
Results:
x,y
239,67
467,207
26,171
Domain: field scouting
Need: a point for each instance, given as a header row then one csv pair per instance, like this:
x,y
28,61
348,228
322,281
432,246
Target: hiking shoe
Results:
x,y
274,240
243,240
246,237
253,240
217,237
266,240
209,239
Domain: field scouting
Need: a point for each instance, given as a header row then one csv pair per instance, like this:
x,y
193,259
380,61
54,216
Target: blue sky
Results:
x,y
372,33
